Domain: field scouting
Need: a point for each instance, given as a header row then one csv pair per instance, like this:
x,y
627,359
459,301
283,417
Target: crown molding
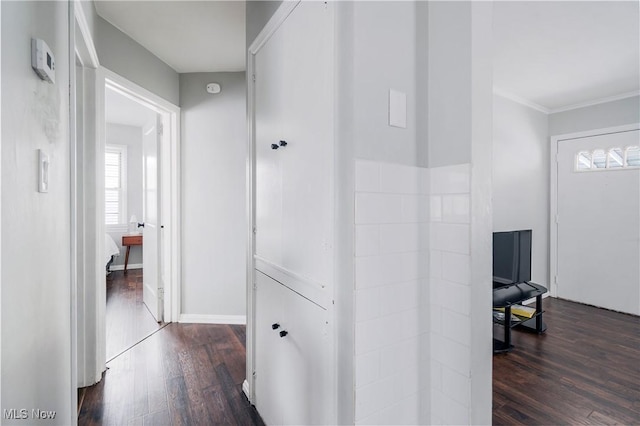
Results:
x,y
526,102
596,102
520,100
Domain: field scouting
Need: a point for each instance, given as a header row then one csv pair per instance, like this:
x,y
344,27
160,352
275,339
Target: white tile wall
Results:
x,y
450,324
412,294
391,276
450,179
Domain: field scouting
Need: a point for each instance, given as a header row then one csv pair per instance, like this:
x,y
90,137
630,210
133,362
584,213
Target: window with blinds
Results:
x,y
115,182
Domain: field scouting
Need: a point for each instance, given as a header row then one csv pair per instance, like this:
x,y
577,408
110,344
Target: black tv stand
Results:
x,y
505,296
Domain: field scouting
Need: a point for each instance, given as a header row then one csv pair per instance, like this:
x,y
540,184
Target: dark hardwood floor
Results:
x,y
185,374
128,319
584,370
165,374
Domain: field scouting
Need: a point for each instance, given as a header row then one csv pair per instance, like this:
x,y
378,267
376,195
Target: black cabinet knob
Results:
x,y
274,146
283,333
283,143
275,326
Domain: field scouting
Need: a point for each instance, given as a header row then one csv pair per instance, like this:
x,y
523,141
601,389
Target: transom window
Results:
x,y
614,158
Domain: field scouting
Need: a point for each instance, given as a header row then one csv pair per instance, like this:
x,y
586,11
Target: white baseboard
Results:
x,y
129,266
213,319
245,389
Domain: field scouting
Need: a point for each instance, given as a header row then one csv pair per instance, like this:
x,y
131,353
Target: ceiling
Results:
x,y
561,53
121,110
550,54
190,36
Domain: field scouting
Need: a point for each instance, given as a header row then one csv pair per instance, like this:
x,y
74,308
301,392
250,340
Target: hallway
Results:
x,y
184,374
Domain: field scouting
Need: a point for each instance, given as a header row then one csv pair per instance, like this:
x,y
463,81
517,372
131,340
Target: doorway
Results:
x,y
91,218
148,227
131,141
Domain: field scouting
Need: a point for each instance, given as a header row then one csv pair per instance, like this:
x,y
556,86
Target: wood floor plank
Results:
x,y
220,412
179,410
583,370
127,318
241,334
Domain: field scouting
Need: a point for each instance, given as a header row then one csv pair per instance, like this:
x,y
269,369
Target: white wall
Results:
x,y
449,83
131,137
36,326
257,15
214,217
610,114
384,57
121,54
521,178
460,125
377,49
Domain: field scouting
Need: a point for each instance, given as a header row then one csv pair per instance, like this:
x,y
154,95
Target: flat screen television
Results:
x,y
511,257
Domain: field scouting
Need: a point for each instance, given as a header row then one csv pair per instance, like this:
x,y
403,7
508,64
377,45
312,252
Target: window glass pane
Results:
x,y
583,161
112,170
112,206
599,159
616,158
633,156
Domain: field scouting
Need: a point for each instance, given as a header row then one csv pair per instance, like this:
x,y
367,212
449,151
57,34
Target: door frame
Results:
x,y
277,19
85,366
553,193
90,325
169,151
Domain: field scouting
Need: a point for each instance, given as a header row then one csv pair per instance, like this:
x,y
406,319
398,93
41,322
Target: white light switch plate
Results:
x,y
43,171
397,109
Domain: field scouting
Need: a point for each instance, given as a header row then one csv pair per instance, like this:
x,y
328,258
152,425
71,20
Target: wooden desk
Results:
x,y
130,240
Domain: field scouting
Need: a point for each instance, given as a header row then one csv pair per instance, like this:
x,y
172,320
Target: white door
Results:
x,y
599,222
152,286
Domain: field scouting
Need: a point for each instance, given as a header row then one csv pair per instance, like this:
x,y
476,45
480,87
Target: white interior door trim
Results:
x,y
90,58
553,193
85,369
170,191
269,29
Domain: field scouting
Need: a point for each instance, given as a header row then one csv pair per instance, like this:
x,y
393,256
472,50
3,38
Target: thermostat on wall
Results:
x,y
42,60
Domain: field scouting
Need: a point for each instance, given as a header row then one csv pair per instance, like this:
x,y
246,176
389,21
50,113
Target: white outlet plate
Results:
x,y
397,109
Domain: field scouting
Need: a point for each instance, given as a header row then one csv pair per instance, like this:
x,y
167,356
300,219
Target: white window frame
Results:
x,y
122,226
607,168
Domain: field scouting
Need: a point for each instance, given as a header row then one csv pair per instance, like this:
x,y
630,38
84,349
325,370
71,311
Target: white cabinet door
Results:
x,y
307,161
293,379
269,93
308,391
270,365
294,183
